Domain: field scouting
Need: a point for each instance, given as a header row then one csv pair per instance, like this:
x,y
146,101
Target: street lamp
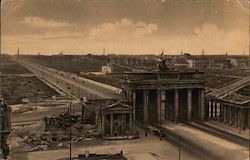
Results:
x,y
179,147
70,106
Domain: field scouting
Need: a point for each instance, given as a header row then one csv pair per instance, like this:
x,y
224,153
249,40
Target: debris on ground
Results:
x,y
23,109
52,133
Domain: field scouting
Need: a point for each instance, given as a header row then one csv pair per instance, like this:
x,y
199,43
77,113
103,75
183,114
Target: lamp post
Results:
x,y
70,147
248,136
179,148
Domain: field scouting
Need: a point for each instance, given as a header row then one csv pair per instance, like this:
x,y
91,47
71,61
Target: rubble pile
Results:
x,y
52,133
23,109
20,137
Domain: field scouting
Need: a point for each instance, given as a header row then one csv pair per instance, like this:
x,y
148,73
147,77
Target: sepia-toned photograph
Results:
x,y
125,80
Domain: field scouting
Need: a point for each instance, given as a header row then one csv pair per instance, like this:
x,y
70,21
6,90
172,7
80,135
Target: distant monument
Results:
x,y
162,64
203,52
103,51
18,52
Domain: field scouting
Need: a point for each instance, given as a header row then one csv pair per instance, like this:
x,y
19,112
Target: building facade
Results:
x,y
160,95
117,121
107,69
209,63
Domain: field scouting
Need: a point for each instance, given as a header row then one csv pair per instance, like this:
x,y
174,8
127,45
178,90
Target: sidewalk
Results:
x,y
230,129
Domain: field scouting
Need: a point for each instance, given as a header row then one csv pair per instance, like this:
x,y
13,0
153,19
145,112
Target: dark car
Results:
x,y
159,133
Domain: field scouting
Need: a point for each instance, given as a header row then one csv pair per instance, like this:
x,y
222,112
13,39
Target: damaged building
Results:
x,y
117,121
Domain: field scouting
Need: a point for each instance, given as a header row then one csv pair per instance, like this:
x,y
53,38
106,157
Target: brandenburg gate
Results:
x,y
177,96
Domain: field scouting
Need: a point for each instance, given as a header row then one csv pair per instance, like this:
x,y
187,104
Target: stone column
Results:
x,y
189,104
134,103
130,123
233,115
145,107
176,105
236,117
225,113
215,111
163,105
206,109
159,106
103,124
111,124
239,117
211,109
230,115
134,98
202,101
221,112
123,123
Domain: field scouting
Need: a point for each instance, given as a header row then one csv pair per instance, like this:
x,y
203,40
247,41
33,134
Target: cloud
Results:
x,y
122,29
130,37
244,8
42,23
215,39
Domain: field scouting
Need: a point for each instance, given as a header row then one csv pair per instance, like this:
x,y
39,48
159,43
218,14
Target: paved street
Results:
x,y
78,86
212,147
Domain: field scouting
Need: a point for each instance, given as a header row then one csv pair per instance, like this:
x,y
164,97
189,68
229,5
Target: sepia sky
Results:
x,y
125,26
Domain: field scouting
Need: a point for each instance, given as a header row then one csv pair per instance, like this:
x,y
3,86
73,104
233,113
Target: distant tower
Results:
x,y
38,54
203,52
181,52
226,54
103,51
18,52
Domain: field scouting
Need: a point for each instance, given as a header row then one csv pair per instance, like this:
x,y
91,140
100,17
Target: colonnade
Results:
x,y
228,114
180,104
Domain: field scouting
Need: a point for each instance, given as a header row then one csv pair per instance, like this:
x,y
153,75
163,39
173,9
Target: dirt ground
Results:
x,y
144,148
18,84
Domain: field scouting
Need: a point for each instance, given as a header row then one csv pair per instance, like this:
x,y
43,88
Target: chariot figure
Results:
x,y
162,64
